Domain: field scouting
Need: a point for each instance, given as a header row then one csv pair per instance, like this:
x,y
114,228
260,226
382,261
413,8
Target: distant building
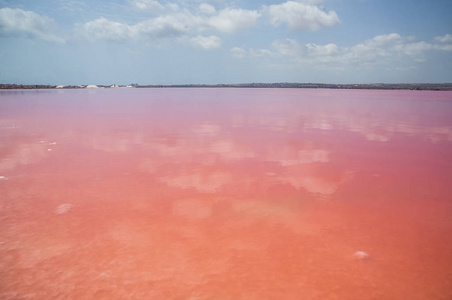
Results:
x,y
114,86
60,86
92,86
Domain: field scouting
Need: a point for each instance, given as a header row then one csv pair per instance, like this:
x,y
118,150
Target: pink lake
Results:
x,y
225,194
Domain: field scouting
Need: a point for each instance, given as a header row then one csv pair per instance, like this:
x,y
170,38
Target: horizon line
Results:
x,y
415,86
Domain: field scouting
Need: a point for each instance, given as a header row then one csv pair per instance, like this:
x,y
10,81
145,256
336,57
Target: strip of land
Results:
x,y
374,86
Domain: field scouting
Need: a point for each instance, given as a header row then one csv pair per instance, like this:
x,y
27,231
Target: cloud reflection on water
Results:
x,y
160,192
234,145
23,154
221,155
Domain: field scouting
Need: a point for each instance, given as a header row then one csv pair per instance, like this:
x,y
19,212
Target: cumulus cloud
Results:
x,y
153,6
304,15
163,26
106,30
444,39
207,8
389,46
147,4
171,20
241,53
103,29
305,53
206,42
21,23
260,52
445,42
371,49
230,20
379,50
414,49
288,47
189,20
238,52
179,23
319,50
386,39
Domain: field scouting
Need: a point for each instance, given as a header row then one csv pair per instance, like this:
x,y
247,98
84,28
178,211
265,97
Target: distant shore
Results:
x,y
373,86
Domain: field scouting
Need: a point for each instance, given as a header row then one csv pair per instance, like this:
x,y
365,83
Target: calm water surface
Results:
x,y
225,194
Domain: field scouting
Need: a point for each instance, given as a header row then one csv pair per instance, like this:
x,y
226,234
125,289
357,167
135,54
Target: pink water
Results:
x,y
225,194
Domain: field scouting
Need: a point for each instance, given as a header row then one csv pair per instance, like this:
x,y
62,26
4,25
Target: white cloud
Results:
x,y
207,8
18,22
302,15
206,42
385,49
238,52
152,5
106,30
166,25
172,6
414,49
305,53
73,6
387,39
444,39
443,47
230,20
103,29
260,52
318,50
288,47
241,53
445,42
391,51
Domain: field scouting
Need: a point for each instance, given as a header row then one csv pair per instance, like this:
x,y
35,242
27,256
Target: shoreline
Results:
x,y
376,86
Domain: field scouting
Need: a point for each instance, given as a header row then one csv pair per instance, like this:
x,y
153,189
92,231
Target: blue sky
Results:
x,y
225,41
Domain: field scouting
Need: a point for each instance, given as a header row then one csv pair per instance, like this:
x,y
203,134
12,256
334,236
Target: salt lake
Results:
x,y
227,193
